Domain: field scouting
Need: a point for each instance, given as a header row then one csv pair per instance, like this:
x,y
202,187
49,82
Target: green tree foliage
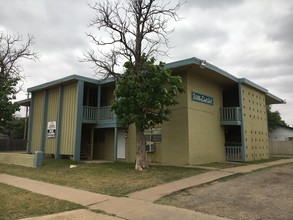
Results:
x,y
144,98
16,127
7,106
274,119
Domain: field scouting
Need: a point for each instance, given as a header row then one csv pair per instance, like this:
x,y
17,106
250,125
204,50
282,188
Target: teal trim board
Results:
x,y
59,123
78,125
44,121
115,142
30,126
243,147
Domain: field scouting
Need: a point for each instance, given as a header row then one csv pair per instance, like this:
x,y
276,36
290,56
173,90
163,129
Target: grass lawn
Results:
x,y
18,203
116,179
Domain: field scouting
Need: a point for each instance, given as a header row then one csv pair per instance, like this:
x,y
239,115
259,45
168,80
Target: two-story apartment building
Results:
x,y
219,117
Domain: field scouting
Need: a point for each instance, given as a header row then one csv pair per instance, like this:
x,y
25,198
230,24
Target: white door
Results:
x,y
121,144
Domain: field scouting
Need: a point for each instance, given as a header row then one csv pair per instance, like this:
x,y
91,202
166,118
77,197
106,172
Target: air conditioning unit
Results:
x,y
150,147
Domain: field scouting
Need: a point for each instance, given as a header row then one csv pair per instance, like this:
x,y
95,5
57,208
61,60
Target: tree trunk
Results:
x,y
140,160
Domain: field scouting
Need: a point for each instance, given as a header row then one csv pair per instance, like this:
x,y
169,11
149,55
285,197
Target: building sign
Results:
x,y
51,129
196,97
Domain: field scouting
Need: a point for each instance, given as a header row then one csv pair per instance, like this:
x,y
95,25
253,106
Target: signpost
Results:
x,y
51,129
197,97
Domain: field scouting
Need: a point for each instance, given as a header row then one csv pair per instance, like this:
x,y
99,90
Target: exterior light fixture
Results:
x,y
203,64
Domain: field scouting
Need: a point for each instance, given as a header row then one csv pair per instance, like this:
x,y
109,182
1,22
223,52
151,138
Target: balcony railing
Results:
x,y
231,116
233,153
94,113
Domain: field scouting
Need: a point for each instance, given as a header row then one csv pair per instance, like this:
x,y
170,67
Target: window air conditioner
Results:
x,y
150,147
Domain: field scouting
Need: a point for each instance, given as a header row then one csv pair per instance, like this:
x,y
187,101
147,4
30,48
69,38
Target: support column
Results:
x,y
30,125
79,115
92,143
59,123
243,145
99,101
115,142
44,122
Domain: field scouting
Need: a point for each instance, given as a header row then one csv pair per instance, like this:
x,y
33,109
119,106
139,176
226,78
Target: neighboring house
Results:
x,y
281,133
219,117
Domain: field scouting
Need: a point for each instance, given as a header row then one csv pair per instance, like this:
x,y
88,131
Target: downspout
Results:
x,y
243,146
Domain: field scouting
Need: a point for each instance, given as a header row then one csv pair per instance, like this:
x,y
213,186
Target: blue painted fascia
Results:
x,y
63,81
197,61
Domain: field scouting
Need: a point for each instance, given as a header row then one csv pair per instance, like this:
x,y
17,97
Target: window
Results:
x,y
153,135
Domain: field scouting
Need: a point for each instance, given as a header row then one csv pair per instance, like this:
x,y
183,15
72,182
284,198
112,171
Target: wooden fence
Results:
x,y
12,145
281,147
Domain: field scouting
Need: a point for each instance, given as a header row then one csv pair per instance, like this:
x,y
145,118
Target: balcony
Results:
x,y
99,115
233,153
231,116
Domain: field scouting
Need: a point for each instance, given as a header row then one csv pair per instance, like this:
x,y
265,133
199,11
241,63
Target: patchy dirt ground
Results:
x,y
266,194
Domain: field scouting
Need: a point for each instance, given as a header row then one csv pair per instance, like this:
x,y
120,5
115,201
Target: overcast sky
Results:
x,y
247,38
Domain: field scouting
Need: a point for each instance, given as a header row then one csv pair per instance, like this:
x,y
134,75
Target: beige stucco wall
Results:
x,y
104,150
254,123
206,135
37,120
130,144
174,146
194,134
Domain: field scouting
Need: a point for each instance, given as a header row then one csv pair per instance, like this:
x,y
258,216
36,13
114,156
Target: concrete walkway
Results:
x,y
154,193
139,205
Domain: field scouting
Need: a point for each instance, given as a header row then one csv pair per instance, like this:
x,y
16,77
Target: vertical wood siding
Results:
x,y
50,143
37,121
68,119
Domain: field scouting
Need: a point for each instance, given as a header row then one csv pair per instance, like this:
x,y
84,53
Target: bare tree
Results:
x,y
12,50
128,30
132,32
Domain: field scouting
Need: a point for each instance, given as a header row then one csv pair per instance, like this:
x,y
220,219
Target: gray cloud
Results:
x,y
211,4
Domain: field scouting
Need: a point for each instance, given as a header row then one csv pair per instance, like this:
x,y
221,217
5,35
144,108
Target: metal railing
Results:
x,y
90,113
231,114
95,113
233,153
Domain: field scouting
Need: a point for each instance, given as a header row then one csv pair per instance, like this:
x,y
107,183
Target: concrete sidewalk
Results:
x,y
121,208
154,193
138,206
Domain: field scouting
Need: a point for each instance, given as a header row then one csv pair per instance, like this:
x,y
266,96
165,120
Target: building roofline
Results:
x,y
200,62
252,84
203,64
285,126
70,78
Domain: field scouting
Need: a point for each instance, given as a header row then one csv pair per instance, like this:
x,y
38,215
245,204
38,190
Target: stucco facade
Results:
x,y
219,117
